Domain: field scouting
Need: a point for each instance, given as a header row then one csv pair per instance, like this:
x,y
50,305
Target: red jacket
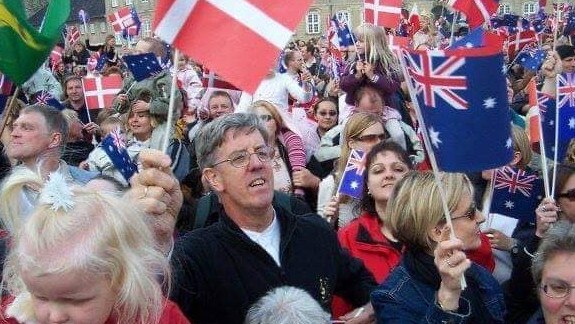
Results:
x,y
171,314
364,240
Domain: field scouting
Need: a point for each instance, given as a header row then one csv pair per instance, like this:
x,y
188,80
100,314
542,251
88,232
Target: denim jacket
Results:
x,y
401,299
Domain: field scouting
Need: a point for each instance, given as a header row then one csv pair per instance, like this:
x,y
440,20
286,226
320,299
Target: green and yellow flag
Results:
x,y
23,48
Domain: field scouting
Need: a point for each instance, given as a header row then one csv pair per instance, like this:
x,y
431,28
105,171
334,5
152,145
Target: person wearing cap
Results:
x,y
564,54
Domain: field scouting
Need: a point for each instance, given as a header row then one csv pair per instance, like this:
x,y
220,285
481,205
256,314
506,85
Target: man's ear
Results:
x,y
213,179
55,140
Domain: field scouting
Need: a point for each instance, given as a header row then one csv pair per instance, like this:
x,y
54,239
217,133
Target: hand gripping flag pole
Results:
x,y
429,148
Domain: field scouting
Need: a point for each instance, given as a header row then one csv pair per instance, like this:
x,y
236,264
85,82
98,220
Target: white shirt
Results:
x,y
268,239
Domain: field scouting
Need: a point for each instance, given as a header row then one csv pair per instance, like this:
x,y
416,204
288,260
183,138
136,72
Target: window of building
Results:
x,y
504,8
344,16
92,29
103,27
129,2
119,39
82,29
312,23
144,1
529,8
146,28
114,3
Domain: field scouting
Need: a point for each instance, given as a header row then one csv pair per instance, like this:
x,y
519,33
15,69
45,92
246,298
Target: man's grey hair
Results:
x,y
213,134
287,305
559,238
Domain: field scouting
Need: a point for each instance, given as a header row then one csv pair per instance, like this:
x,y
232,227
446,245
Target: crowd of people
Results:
x,y
241,220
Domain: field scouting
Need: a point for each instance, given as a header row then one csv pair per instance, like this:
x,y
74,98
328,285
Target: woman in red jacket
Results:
x,y
366,237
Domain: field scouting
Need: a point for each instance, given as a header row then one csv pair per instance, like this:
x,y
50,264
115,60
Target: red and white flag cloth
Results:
x,y
476,11
72,35
100,91
56,55
395,43
518,41
212,80
121,19
385,13
238,39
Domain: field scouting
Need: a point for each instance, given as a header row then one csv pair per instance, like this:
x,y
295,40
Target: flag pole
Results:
x,y
543,157
556,151
452,36
431,153
172,104
10,106
555,30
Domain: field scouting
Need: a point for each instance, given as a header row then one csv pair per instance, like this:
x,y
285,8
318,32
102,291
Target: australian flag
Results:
x,y
352,179
45,98
115,147
531,58
566,123
547,109
569,28
476,38
516,193
142,66
466,113
344,35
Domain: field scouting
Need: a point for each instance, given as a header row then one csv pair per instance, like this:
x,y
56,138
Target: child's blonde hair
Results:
x,y
377,50
97,235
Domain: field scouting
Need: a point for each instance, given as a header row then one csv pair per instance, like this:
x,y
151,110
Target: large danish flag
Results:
x,y
238,39
438,80
99,91
386,13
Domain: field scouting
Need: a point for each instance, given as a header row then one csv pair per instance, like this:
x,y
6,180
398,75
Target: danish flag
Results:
x,y
100,91
219,34
121,19
72,34
566,89
395,43
438,79
513,180
386,13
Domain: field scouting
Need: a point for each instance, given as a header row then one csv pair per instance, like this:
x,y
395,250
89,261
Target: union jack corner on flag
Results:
x,y
351,183
466,113
516,193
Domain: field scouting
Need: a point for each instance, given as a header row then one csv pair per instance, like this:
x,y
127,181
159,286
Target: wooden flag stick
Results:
x,y
169,122
430,152
8,109
556,151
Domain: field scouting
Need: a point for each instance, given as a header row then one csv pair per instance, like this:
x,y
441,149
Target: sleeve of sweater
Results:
x,y
295,149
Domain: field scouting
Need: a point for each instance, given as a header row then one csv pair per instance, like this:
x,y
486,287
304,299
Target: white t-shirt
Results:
x,y
268,239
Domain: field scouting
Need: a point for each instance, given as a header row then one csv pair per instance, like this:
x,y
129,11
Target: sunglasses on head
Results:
x,y
569,194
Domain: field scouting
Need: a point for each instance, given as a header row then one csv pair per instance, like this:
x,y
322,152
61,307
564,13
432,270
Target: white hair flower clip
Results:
x,y
57,193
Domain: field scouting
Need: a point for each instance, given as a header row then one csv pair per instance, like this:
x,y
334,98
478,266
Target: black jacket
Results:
x,y
219,272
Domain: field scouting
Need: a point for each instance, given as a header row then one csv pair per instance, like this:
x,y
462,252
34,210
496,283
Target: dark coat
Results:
x,y
219,272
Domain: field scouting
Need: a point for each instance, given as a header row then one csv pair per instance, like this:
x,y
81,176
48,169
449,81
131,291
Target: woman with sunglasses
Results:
x,y
361,132
552,271
520,290
426,285
289,148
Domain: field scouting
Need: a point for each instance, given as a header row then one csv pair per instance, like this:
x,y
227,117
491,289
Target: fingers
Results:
x,y
154,159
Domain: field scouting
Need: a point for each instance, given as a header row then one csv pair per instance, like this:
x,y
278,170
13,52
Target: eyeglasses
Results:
x,y
569,194
371,138
265,118
325,113
470,213
240,159
556,289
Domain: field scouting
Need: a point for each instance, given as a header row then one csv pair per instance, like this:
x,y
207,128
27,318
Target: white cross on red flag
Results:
x,y
385,13
99,91
238,39
121,19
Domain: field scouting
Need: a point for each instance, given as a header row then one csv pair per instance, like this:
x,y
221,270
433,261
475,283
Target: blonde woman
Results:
x,y
426,286
362,131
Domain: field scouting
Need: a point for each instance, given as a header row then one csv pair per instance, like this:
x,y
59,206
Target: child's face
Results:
x,y
72,297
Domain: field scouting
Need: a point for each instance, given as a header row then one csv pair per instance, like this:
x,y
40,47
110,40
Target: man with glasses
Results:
x,y
220,270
